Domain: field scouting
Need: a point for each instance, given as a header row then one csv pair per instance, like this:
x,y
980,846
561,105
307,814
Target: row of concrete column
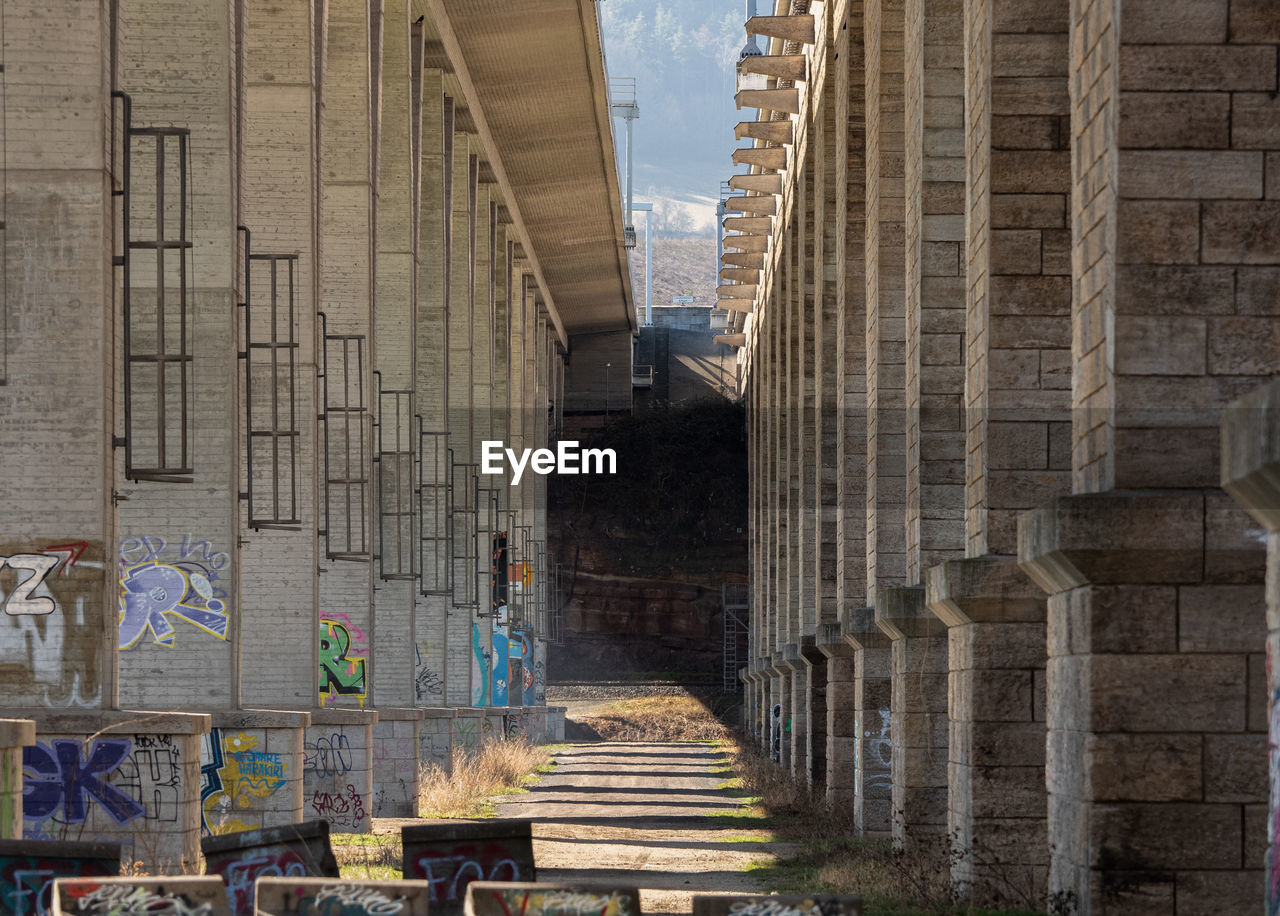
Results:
x,y
1024,255
263,303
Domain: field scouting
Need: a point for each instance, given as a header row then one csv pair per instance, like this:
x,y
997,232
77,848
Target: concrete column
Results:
x,y
58,418
431,631
935,283
1156,720
873,723
348,241
850,291
1173,248
814,679
997,806
885,290
1251,474
469,675
797,713
827,261
59,368
919,719
279,590
841,724
179,540
395,739
15,734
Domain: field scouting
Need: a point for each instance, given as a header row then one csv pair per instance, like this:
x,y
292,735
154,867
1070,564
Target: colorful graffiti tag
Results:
x,y
342,670
501,665
50,637
479,669
529,695
160,580
59,782
236,775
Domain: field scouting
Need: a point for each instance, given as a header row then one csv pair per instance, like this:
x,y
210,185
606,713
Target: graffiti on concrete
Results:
x,y
877,764
466,732
479,669
26,879
539,682
51,628
427,684
340,809
328,755
501,665
528,664
342,668
32,570
62,778
235,776
160,580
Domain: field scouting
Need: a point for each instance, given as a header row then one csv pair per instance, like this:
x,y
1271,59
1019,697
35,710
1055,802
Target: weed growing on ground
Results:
x,y
478,774
368,856
656,718
829,857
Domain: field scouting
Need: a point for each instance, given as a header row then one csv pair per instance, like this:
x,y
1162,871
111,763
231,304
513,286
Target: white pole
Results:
x,y
648,268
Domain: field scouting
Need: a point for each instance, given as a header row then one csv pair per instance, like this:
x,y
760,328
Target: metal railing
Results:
x,y
642,376
270,357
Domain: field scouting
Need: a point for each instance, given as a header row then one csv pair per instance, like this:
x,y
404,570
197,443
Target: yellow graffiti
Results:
x,y
246,775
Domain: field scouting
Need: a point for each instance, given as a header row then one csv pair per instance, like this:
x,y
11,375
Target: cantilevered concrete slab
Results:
x,y
783,66
765,184
773,131
534,80
787,100
765,157
748,224
788,28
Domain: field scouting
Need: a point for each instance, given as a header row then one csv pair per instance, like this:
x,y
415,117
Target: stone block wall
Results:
x,y
396,762
252,767
338,770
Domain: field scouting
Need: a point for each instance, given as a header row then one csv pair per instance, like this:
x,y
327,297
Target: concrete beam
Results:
x,y
739,273
773,131
784,66
732,340
736,290
762,204
765,184
787,28
737,305
743,259
748,224
747,242
772,157
787,100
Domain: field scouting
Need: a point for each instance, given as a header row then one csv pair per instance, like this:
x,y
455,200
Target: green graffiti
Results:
x,y
339,675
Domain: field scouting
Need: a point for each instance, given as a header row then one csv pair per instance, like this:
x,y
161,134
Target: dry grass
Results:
x,y
656,718
830,857
478,774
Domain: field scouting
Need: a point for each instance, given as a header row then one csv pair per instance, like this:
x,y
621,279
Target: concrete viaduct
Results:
x,y
273,272
1006,273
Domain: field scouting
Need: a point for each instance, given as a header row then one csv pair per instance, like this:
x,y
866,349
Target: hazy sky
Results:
x,y
682,54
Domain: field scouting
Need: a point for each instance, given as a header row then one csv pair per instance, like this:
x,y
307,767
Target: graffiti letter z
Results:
x,y
20,600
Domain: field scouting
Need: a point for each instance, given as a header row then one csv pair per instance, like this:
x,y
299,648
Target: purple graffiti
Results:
x,y
55,776
152,590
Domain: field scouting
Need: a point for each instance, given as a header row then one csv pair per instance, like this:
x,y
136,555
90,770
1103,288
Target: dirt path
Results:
x,y
640,814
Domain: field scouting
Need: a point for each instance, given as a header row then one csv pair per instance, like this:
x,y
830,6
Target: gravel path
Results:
x,y
640,814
